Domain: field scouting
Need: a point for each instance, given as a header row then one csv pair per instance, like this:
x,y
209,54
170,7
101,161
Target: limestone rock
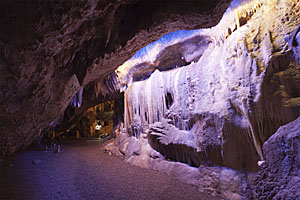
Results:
x,y
279,176
241,88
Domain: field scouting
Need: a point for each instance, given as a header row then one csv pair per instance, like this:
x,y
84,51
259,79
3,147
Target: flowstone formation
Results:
x,y
218,96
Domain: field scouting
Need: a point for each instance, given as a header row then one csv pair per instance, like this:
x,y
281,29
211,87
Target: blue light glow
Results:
x,y
164,40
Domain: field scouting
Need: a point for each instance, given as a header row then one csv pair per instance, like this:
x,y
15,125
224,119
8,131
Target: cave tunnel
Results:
x,y
95,122
96,94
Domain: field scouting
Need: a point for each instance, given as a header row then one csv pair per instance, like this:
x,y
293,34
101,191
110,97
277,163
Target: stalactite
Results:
x,y
237,16
77,99
226,85
106,86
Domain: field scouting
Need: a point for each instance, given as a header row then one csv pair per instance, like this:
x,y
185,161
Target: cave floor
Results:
x,y
83,170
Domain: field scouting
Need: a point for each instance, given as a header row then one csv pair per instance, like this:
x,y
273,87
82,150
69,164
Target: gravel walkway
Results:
x,y
82,170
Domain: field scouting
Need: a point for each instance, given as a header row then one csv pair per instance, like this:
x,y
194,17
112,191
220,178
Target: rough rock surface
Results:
x,y
220,181
242,87
279,175
216,112
49,50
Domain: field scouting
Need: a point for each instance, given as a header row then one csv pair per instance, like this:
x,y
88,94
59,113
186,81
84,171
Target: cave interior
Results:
x,y
212,85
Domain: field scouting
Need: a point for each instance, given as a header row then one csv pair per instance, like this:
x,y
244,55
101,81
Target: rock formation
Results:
x,y
210,98
279,177
230,105
225,93
50,50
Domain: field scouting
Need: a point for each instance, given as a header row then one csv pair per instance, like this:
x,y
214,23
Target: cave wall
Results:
x,y
49,50
242,89
278,176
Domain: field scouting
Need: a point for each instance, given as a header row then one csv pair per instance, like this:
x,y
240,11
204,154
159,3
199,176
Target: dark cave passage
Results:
x,y
86,120
82,170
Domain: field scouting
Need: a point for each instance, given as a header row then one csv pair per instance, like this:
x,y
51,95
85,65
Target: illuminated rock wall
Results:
x,y
242,89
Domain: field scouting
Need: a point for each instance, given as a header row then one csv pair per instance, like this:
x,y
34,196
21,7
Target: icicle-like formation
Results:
x,y
237,15
200,87
107,85
150,53
228,80
77,99
80,97
239,12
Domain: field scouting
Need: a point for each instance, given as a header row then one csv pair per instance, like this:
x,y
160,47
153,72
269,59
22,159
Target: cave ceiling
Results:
x,y
50,49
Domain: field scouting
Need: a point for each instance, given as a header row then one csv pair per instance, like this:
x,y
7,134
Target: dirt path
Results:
x,y
84,171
